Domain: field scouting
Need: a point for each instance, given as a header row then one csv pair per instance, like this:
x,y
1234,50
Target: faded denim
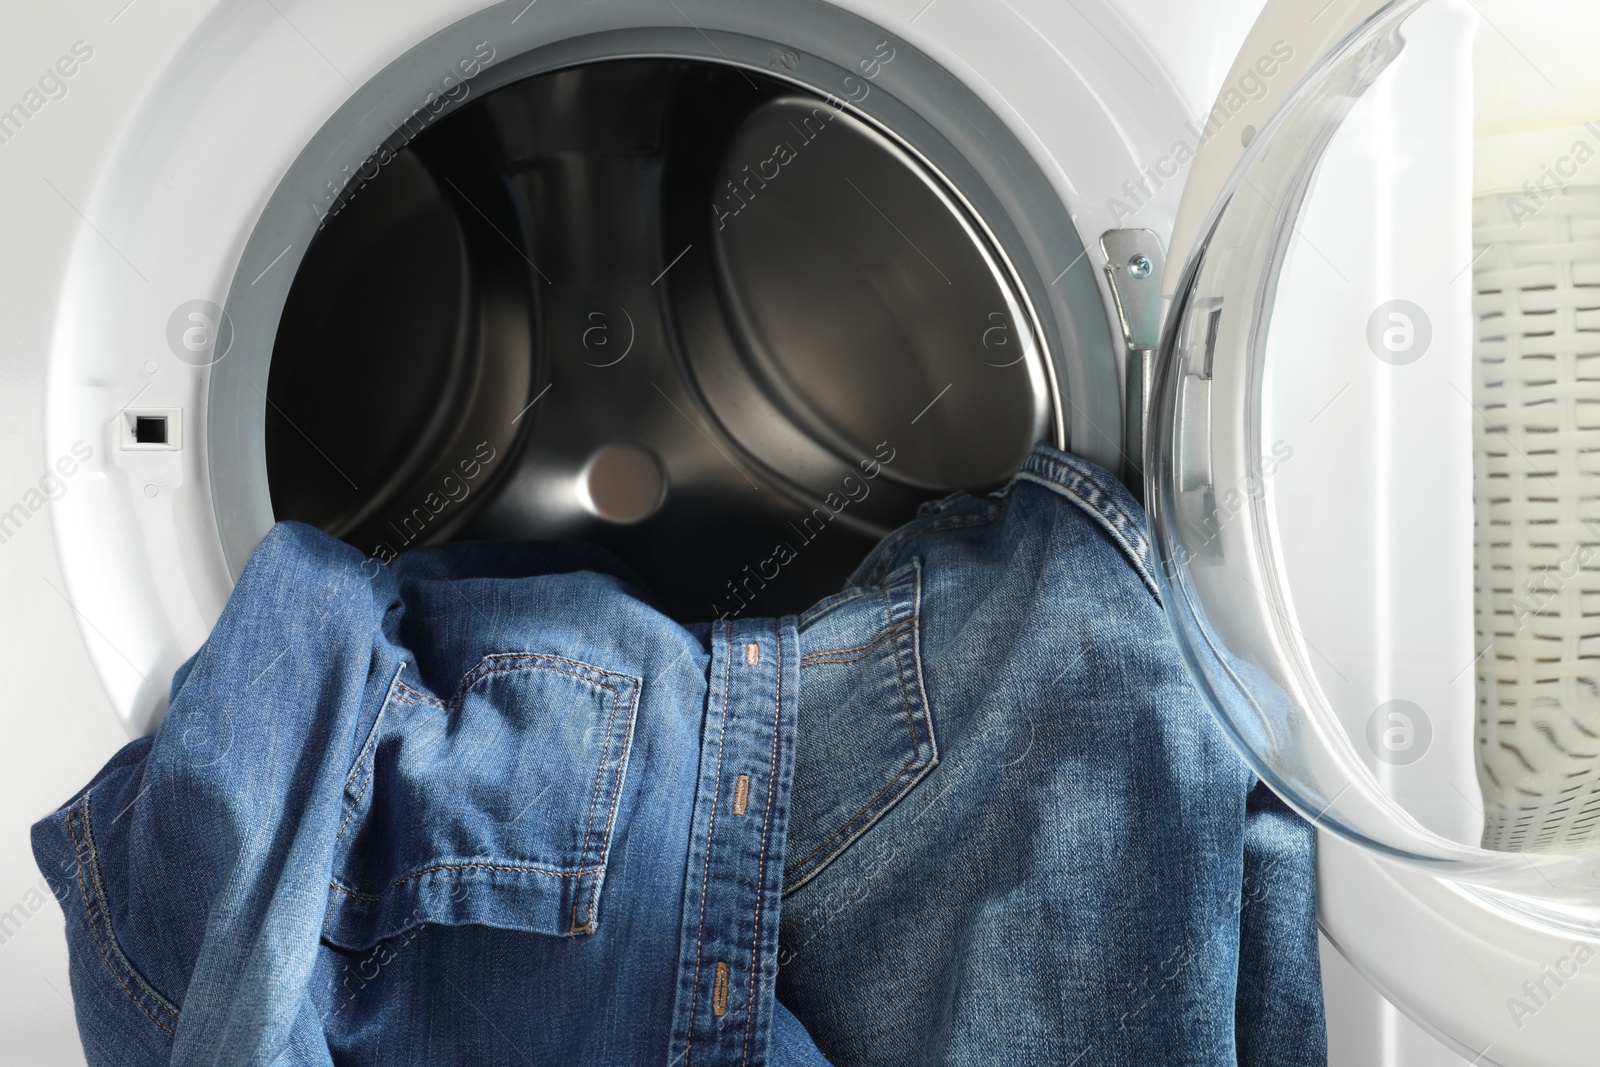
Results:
x,y
436,813
486,805
1030,841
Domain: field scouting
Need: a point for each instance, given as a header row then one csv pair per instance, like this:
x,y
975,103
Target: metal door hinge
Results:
x,y
1134,262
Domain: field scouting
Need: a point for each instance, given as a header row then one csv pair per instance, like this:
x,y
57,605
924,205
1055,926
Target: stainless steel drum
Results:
x,y
722,325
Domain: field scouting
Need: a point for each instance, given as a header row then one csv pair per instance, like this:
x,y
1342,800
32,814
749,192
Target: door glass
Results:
x,y
1376,454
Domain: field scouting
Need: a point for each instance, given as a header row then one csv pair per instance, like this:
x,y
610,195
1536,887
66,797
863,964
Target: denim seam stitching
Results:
x,y
711,822
889,548
362,759
865,650
503,662
372,731
916,663
899,666
104,906
1135,548
551,871
616,795
761,863
616,792
599,783
96,910
520,662
404,694
934,507
1101,503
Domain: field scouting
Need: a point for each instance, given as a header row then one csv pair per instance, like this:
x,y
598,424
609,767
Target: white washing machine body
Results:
x,y
152,182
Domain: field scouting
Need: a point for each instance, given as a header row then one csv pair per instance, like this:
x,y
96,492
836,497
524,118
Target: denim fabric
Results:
x,y
486,805
1024,838
436,813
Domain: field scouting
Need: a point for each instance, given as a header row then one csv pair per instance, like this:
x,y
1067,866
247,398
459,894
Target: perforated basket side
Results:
x,y
1537,515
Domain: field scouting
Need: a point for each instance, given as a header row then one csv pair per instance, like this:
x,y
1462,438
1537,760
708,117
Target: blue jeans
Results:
x,y
487,805
1027,840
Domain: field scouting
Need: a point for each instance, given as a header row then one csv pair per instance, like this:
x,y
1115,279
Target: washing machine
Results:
x,y
1313,277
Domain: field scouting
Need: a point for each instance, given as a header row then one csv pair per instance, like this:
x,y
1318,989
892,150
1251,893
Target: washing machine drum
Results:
x,y
692,312
1373,472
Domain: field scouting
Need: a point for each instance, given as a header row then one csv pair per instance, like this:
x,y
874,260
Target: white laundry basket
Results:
x,y
1536,385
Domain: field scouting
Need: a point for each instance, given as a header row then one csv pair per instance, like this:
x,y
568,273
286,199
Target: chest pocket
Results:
x,y
494,807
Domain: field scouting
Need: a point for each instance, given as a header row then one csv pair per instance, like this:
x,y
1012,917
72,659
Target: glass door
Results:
x,y
1374,468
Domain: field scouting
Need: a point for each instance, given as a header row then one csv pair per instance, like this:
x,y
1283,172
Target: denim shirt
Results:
x,y
438,812
487,805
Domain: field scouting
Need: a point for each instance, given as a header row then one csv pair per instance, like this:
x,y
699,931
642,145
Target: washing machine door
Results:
x,y
1371,451
1373,473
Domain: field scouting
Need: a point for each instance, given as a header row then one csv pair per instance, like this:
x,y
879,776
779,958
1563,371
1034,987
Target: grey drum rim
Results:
x,y
914,101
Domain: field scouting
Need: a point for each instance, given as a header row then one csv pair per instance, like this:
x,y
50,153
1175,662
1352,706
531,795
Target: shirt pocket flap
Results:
x,y
494,807
864,735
